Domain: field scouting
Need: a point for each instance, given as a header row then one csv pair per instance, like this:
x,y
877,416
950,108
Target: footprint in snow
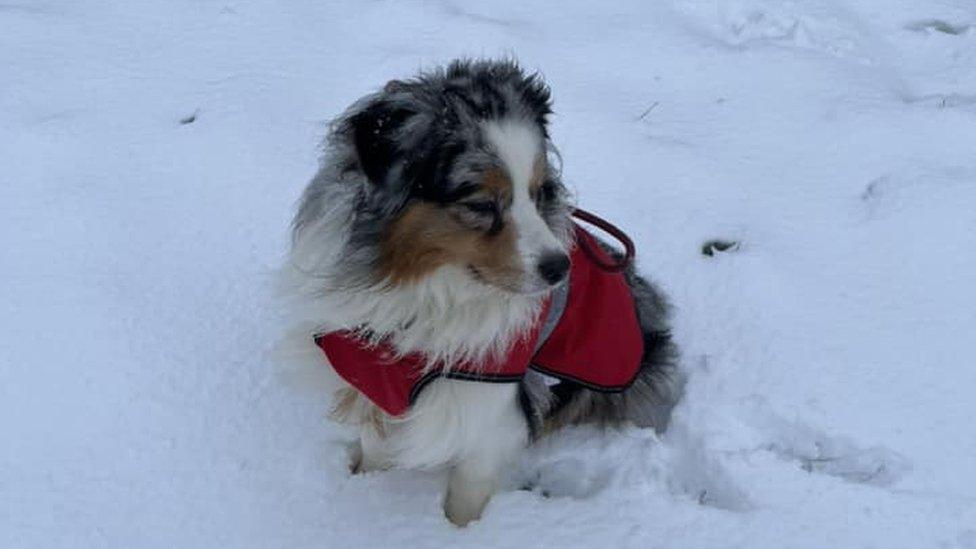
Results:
x,y
815,451
940,26
949,100
566,478
794,26
695,472
908,190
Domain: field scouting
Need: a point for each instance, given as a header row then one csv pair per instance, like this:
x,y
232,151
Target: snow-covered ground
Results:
x,y
150,156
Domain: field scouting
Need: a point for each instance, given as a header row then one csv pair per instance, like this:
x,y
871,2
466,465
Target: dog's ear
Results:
x,y
376,134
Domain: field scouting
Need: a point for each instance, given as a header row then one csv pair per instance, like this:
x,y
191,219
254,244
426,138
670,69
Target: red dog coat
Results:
x,y
589,335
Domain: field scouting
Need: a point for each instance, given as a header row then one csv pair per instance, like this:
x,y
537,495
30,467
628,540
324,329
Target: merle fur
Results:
x,y
418,140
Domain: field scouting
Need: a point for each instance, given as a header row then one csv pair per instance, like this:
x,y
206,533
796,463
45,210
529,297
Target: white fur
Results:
x,y
456,420
447,316
476,428
519,146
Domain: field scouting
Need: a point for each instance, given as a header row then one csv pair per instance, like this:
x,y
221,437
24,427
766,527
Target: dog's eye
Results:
x,y
482,207
547,192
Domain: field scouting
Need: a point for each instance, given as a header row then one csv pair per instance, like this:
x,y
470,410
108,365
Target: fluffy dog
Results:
x,y
437,230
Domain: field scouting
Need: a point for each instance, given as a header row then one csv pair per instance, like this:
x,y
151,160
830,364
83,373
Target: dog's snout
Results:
x,y
553,267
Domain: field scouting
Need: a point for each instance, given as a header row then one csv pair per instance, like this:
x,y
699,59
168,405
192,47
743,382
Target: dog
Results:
x,y
430,249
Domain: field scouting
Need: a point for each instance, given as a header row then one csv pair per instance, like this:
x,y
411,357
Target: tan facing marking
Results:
x,y
497,183
427,236
538,174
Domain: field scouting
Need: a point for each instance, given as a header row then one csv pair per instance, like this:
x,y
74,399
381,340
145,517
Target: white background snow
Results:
x,y
830,357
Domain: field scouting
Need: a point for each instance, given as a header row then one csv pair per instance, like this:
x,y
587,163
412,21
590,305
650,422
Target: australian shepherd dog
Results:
x,y
438,228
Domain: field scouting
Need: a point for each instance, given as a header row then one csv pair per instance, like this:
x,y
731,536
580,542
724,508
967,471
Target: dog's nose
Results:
x,y
553,267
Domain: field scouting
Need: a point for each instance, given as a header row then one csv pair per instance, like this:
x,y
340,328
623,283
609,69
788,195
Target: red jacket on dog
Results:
x,y
596,341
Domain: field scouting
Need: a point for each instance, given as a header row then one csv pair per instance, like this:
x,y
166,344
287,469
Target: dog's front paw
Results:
x,y
463,509
467,496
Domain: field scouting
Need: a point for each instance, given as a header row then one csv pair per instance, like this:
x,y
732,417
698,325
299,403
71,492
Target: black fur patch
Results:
x,y
374,131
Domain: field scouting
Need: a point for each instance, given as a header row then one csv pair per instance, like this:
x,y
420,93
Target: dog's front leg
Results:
x,y
371,452
470,486
498,434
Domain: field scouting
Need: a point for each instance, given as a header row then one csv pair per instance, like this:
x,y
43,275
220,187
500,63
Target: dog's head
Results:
x,y
456,171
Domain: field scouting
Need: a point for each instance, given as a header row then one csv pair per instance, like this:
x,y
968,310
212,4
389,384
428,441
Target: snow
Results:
x,y
830,396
